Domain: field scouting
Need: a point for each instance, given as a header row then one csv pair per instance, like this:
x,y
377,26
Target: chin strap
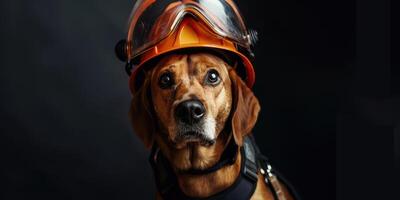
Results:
x,y
244,185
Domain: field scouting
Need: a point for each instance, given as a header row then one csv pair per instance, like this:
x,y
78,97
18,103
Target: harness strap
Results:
x,y
273,176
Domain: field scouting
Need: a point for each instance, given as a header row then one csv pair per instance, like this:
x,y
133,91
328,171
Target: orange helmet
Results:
x,y
163,26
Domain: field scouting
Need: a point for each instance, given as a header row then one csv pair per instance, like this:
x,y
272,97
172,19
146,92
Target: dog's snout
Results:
x,y
190,111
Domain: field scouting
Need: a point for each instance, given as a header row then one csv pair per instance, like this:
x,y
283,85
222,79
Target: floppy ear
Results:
x,y
245,108
141,114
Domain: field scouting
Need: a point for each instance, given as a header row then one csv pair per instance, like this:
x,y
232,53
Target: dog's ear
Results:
x,y
141,114
245,108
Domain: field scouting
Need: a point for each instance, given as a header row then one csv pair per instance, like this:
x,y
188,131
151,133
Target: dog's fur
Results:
x,y
231,111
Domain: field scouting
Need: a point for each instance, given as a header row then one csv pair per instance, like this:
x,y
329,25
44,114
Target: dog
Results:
x,y
192,105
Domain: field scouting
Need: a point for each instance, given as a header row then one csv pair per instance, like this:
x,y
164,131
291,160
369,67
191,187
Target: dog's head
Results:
x,y
185,104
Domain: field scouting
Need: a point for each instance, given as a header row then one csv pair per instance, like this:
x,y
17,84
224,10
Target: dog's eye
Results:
x,y
166,80
212,77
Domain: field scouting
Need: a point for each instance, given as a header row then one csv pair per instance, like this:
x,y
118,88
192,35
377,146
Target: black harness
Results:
x,y
243,187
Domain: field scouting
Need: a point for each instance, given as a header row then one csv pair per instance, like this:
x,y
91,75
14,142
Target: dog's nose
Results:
x,y
190,111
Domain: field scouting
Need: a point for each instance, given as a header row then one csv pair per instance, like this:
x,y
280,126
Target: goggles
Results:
x,y
153,20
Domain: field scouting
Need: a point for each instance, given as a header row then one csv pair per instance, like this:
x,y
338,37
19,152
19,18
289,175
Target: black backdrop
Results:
x,y
64,96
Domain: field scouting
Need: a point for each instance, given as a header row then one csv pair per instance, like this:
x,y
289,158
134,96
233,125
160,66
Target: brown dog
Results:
x,y
191,105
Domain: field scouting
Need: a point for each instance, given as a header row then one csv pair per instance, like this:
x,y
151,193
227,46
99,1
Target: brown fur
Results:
x,y
152,115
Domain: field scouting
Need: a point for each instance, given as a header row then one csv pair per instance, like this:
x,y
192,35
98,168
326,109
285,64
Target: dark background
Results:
x,y
323,80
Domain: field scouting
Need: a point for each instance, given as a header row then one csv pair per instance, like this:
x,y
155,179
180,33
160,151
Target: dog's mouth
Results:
x,y
201,133
184,138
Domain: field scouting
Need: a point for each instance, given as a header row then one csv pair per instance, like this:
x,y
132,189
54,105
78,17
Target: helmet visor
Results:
x,y
153,20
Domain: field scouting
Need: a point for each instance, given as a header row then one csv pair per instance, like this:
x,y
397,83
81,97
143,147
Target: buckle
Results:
x,y
250,162
250,170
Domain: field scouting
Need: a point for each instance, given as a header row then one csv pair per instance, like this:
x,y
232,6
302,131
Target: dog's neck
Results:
x,y
205,185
